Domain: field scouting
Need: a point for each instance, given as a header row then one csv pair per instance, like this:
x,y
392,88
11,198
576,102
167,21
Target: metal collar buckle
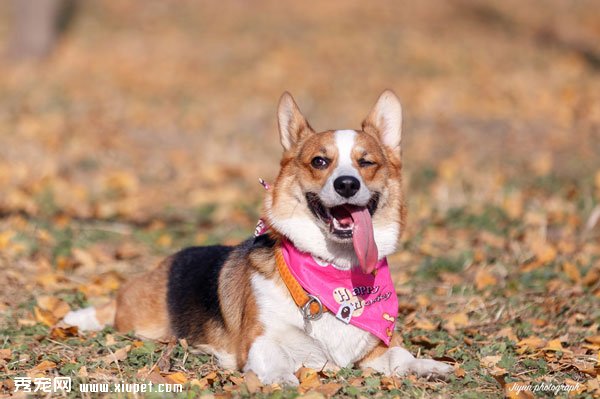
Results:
x,y
306,308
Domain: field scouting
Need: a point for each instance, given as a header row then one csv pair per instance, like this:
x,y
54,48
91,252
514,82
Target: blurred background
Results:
x,y
155,113
131,128
147,109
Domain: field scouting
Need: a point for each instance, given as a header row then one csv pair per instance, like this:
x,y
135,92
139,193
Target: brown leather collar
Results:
x,y
311,306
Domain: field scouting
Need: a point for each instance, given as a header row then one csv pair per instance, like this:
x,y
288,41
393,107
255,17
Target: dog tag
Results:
x,y
344,313
307,327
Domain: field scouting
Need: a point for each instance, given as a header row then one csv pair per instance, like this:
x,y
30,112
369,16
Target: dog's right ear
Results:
x,y
292,124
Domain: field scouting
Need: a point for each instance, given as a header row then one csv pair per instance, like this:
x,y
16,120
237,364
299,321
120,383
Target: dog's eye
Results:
x,y
363,163
319,163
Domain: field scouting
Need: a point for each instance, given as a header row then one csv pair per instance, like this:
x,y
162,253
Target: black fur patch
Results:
x,y
192,290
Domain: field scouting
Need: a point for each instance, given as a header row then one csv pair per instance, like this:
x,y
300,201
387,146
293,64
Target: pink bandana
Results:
x,y
367,301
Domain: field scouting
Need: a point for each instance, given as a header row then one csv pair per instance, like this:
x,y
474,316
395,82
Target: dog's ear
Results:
x,y
292,124
386,119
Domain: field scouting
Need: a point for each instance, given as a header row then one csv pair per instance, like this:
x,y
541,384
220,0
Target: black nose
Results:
x,y
346,186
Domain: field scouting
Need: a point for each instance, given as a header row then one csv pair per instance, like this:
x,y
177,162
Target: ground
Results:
x,y
148,127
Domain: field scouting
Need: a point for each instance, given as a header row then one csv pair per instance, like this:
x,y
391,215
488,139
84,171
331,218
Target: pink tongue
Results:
x,y
362,238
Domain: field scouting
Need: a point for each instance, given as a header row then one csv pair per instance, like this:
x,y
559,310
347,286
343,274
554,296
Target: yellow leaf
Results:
x,y
545,253
484,279
555,346
513,205
55,306
83,372
252,382
454,321
117,356
236,380
514,390
5,354
329,389
44,317
308,377
63,332
530,344
592,276
83,258
200,383
423,300
110,340
572,272
311,395
45,365
164,240
177,378
425,324
508,333
542,163
490,361
5,238
594,339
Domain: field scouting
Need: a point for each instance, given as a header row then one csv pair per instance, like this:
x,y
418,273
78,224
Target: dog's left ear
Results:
x,y
386,119
292,124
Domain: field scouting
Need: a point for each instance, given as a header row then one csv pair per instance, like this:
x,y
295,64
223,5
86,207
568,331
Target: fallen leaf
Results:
x,y
45,365
83,258
593,339
556,346
5,354
592,277
57,307
423,341
176,378
116,356
572,272
311,395
530,344
514,390
128,251
200,383
490,361
44,316
484,278
63,332
309,378
507,332
329,389
110,340
457,320
425,324
252,382
83,372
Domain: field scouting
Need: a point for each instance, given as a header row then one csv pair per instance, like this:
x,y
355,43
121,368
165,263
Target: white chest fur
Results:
x,y
327,342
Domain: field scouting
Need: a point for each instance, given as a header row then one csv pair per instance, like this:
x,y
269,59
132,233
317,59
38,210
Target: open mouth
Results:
x,y
352,223
339,218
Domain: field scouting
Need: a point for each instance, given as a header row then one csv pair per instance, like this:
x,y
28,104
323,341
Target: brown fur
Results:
x,y
380,349
142,304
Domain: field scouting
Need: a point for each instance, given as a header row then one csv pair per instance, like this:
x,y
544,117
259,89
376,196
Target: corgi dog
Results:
x,y
312,290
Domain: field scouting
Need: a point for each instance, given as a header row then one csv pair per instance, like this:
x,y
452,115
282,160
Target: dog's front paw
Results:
x,y
402,362
431,368
280,379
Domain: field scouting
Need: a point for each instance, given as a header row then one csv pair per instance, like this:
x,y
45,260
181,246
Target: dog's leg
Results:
x,y
396,360
271,363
